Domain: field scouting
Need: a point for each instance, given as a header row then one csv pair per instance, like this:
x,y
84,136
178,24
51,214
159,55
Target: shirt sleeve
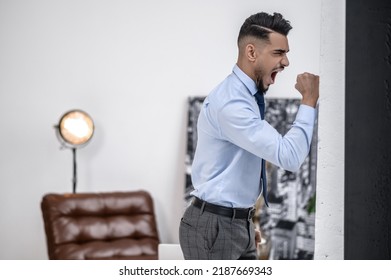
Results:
x,y
241,125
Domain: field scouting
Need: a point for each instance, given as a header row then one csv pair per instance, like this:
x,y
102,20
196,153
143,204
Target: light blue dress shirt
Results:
x,y
232,140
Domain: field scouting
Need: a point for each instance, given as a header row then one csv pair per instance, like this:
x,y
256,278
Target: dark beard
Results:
x,y
259,83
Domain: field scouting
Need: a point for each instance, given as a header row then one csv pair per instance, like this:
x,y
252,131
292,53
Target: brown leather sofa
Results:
x,y
116,225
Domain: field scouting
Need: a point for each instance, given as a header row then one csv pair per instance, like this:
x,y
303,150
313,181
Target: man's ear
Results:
x,y
250,52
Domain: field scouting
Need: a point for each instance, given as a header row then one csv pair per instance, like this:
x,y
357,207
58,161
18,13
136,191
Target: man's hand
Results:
x,y
308,86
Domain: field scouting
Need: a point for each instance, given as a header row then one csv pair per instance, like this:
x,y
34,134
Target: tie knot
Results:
x,y
260,98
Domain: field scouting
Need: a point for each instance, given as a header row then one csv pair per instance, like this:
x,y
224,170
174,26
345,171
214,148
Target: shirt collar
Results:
x,y
246,80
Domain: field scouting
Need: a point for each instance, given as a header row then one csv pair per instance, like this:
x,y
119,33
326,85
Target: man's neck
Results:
x,y
246,69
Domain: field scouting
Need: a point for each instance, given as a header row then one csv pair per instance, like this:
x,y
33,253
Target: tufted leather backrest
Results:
x,y
116,225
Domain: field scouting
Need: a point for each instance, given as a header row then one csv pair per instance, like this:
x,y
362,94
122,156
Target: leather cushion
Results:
x,y
119,225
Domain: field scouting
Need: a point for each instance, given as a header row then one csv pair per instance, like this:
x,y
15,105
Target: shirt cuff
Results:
x,y
306,114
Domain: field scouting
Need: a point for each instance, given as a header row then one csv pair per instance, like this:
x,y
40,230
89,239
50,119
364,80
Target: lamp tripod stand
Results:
x,y
74,180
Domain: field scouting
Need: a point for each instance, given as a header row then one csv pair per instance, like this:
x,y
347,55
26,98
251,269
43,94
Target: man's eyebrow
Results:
x,y
280,51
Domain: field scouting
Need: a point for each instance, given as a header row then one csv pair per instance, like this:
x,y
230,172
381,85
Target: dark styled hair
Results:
x,y
260,25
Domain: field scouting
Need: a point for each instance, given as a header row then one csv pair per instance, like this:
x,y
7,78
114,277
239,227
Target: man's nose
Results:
x,y
285,61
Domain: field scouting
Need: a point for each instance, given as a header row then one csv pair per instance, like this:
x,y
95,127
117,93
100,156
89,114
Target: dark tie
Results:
x,y
261,104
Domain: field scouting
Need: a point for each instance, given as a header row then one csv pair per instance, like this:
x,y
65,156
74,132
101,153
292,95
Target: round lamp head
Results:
x,y
75,128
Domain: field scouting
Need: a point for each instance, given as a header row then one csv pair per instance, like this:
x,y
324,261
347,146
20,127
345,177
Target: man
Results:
x,y
233,138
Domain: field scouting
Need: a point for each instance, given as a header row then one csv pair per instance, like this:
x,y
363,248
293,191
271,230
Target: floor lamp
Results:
x,y
74,130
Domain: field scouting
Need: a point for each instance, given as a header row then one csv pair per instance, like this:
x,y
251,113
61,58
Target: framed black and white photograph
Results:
x,y
288,224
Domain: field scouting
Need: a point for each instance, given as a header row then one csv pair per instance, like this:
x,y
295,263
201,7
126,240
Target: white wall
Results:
x,y
329,231
131,65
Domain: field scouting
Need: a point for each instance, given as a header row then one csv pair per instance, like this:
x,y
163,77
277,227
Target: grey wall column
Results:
x,y
368,130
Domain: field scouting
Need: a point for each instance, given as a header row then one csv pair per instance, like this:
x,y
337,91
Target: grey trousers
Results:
x,y
207,236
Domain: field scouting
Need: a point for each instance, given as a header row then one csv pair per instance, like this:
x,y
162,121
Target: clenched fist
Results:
x,y
308,86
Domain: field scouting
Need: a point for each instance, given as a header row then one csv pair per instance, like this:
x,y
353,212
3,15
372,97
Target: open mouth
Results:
x,y
274,74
